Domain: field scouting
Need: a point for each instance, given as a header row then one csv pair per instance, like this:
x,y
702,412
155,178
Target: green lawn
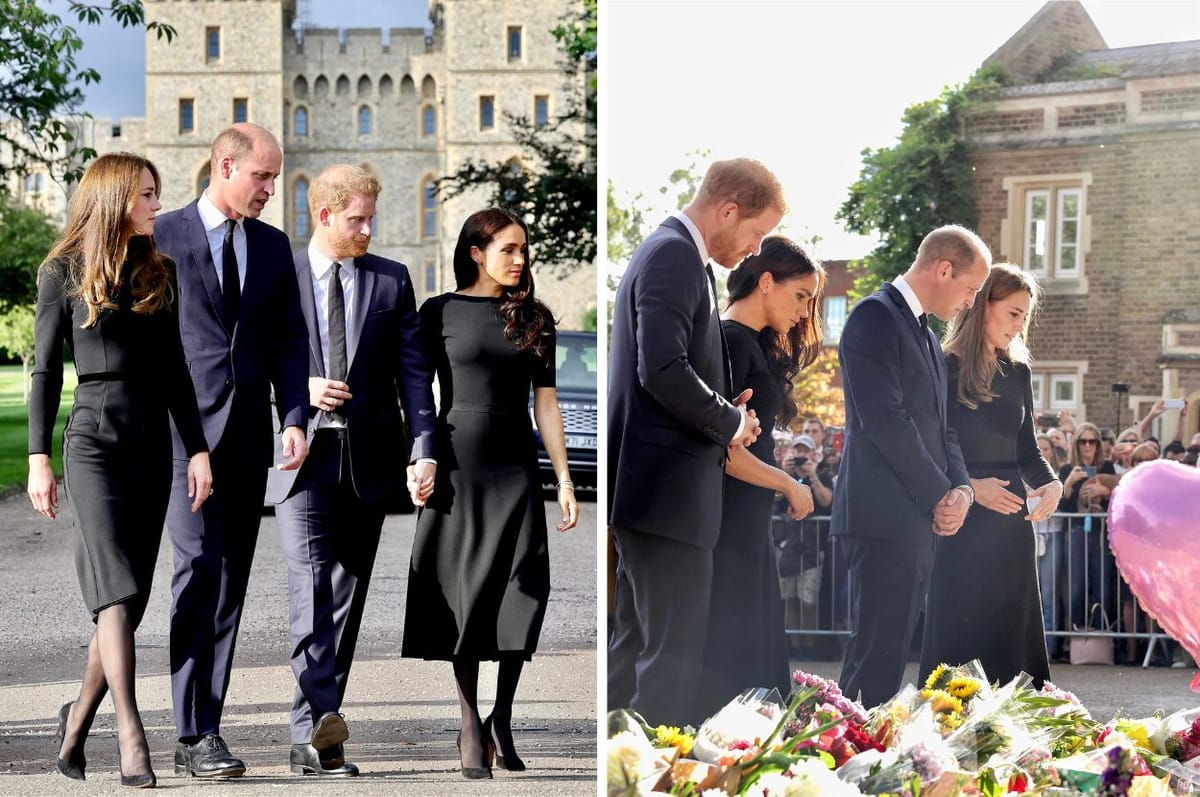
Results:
x,y
14,425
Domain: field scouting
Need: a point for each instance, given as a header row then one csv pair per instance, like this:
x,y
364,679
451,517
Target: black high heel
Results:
x,y
73,767
476,773
512,762
147,780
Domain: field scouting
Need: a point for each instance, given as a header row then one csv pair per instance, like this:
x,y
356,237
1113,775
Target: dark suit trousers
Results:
x,y
214,549
656,649
888,583
329,537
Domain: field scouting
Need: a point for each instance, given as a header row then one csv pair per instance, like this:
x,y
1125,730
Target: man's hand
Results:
x,y
750,425
295,448
990,493
950,512
327,394
800,501
420,481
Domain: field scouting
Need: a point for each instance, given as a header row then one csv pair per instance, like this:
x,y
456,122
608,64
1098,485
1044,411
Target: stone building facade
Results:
x,y
1093,184
407,104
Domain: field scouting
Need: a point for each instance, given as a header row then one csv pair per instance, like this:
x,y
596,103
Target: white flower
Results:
x,y
632,760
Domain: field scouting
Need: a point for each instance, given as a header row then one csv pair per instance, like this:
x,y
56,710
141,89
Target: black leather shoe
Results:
x,y
207,758
329,731
147,781
73,767
308,760
506,756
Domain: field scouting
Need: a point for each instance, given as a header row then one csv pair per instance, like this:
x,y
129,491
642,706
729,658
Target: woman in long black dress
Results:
x,y
106,291
984,600
773,330
479,576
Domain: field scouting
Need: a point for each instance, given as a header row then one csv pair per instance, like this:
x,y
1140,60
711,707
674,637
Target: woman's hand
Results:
x,y
570,507
990,493
1093,491
200,479
43,489
1050,494
1077,473
800,500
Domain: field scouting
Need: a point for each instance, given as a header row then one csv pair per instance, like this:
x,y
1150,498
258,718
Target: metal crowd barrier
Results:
x,y
1078,577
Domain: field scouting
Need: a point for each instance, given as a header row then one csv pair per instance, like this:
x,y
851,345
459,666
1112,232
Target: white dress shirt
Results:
x,y
909,295
214,227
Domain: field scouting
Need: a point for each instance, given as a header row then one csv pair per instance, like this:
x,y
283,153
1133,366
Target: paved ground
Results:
x,y
402,713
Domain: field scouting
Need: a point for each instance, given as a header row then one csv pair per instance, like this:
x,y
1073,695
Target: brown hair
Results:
x,y
744,181
966,337
333,187
99,239
1098,453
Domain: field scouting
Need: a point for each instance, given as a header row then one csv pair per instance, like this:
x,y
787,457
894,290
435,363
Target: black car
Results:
x,y
575,373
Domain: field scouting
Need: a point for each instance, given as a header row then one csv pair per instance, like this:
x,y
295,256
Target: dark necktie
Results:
x,y
231,289
726,366
338,361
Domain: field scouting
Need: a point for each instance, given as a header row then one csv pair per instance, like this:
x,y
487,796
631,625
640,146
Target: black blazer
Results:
x,y
233,370
669,420
899,456
388,370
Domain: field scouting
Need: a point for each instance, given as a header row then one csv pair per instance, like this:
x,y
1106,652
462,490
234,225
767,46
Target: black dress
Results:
x,y
117,441
479,576
746,644
984,601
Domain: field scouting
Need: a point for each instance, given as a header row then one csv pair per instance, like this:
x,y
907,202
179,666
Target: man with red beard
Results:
x,y
366,361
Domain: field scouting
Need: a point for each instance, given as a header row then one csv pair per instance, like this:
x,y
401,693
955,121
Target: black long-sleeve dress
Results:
x,y
479,576
117,441
984,601
746,645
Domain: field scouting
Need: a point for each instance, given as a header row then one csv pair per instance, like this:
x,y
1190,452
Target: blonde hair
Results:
x,y
99,239
1097,450
333,188
967,339
1145,452
744,181
955,243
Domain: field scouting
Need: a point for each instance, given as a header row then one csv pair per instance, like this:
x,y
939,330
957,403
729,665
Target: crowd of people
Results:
x,y
181,326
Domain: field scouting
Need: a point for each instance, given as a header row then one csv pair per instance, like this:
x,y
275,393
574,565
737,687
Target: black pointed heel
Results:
x,y
511,762
74,766
476,773
147,780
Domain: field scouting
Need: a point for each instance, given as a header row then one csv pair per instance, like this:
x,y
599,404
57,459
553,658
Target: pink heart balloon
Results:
x,y
1154,533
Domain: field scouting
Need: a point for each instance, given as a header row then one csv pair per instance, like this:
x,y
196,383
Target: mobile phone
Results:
x,y
1172,404
1090,470
838,437
1047,419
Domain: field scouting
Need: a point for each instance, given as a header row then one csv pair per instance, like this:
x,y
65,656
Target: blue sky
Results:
x,y
120,54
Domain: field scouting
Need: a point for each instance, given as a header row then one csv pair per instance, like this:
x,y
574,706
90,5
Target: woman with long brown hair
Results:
x,y
479,576
984,600
772,327
107,292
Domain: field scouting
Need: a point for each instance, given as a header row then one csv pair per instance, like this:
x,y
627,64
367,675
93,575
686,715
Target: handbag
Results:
x,y
1092,649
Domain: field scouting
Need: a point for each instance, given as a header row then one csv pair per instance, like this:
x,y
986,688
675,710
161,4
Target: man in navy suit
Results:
x,y
365,360
669,423
239,317
902,477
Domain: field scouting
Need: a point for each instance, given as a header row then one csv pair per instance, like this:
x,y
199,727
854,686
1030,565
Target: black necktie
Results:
x,y
231,289
338,361
726,372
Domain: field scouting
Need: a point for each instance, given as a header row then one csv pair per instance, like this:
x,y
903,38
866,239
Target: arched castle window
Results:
x,y
300,125
364,121
321,87
407,87
385,87
364,88
300,88
343,86
428,88
428,120
300,209
429,208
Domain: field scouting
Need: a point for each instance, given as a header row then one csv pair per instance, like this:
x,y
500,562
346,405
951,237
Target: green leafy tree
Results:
x,y
26,235
16,339
554,184
919,183
41,82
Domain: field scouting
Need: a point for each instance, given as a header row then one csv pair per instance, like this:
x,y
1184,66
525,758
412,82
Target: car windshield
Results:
x,y
575,363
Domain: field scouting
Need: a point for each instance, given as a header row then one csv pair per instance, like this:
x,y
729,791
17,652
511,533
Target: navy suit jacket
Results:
x,y
388,371
669,419
233,370
899,456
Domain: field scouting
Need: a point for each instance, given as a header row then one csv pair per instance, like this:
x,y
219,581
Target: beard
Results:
x,y
348,245
723,252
